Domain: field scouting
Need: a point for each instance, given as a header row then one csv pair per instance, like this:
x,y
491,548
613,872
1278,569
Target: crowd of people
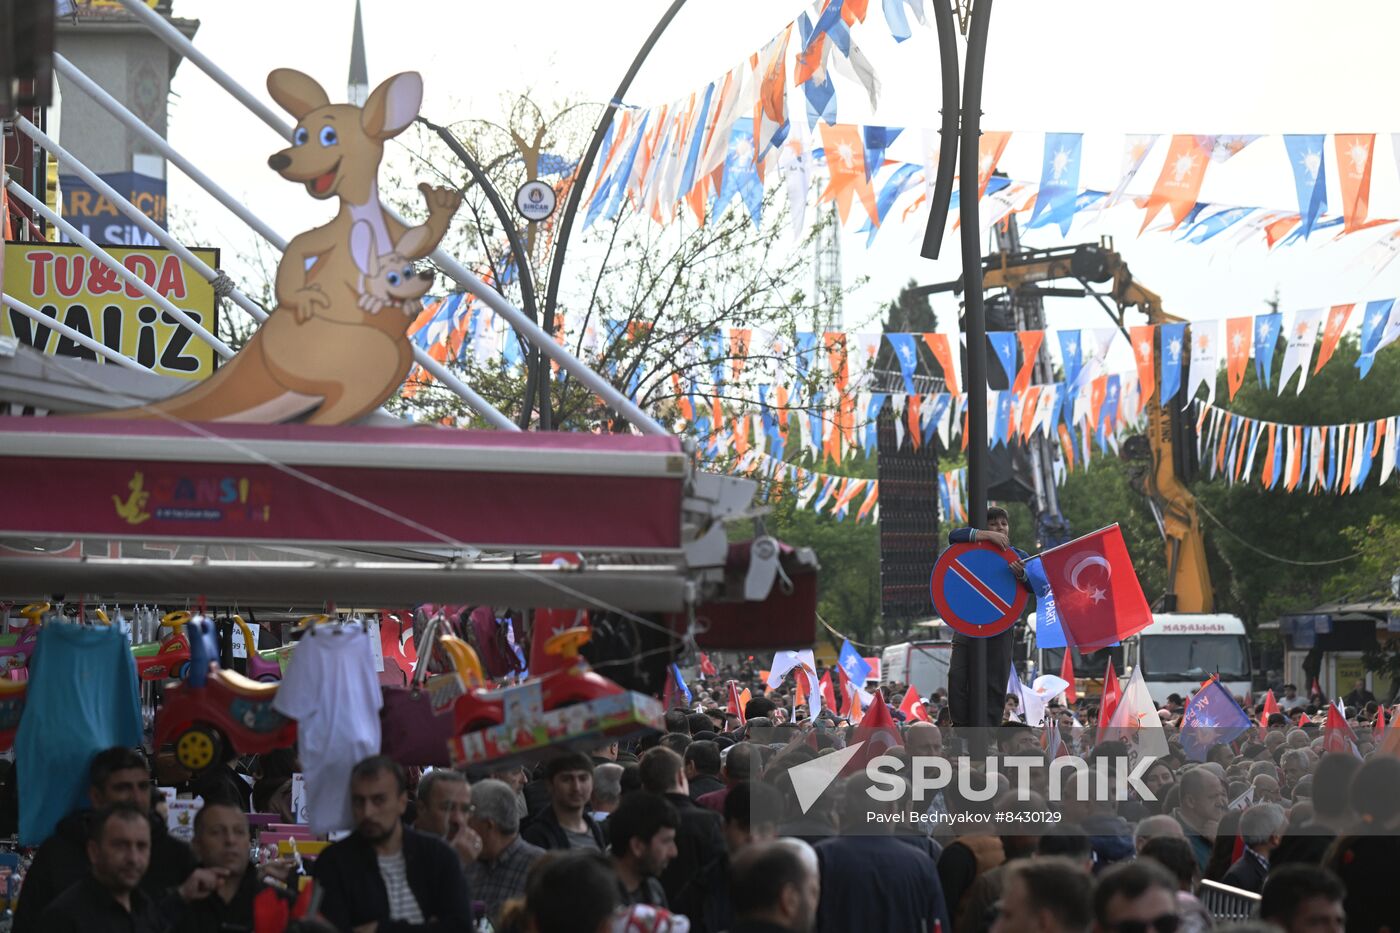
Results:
x,y
701,822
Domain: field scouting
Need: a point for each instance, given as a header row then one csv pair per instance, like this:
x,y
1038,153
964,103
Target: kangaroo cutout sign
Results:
x,y
336,346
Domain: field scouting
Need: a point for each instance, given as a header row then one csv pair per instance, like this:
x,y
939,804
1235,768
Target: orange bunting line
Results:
x,y
989,150
1028,410
943,353
1268,470
845,162
1276,231
1332,333
739,339
1142,339
911,411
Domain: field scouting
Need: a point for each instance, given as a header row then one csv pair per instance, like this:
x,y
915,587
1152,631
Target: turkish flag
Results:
x,y
828,692
736,707
913,707
707,667
1067,675
1096,589
1112,693
879,733
1270,707
1336,733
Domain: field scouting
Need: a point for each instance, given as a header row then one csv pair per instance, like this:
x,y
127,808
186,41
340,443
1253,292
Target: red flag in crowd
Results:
x,y
1379,728
707,667
1336,733
877,730
1067,675
850,693
913,707
828,691
1097,593
1270,707
736,708
1109,701
1303,720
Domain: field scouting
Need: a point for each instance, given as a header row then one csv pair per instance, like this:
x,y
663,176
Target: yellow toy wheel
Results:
x,y
197,749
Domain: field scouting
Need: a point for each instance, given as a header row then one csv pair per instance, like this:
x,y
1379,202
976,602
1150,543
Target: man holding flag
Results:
x,y
997,532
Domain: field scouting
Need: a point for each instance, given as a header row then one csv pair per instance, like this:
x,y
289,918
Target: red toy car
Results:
x,y
575,683
12,696
214,710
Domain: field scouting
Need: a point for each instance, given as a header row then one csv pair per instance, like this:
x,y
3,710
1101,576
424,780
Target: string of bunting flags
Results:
x,y
775,116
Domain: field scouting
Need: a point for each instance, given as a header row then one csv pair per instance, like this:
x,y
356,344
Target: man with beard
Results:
x,y
386,876
643,842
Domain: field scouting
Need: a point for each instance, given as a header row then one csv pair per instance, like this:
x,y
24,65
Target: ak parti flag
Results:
x,y
845,163
1354,152
913,707
1179,184
1142,353
1030,350
989,149
1097,594
1332,329
1239,337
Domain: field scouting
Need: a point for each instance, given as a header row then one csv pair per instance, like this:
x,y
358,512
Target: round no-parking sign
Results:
x,y
975,591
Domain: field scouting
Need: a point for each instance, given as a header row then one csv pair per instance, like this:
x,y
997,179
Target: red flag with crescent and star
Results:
x,y
878,733
1096,589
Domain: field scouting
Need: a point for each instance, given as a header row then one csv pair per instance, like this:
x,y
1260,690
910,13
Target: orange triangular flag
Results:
x,y
1067,675
1332,333
1142,354
1030,350
942,352
845,165
1354,151
1238,334
1179,184
989,150
1270,707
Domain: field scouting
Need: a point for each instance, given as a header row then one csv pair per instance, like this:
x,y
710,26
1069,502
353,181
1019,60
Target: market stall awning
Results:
x,y
341,486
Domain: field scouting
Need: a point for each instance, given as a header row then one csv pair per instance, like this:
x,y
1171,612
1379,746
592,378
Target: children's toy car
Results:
x,y
12,697
574,683
259,668
214,710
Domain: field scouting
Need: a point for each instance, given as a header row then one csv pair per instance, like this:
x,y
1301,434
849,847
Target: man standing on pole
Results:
x,y
998,647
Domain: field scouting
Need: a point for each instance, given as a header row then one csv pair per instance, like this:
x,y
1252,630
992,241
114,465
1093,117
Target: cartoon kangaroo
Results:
x,y
326,354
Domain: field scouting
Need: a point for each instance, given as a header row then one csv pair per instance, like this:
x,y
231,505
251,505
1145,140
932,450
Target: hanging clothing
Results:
x,y
82,686
332,691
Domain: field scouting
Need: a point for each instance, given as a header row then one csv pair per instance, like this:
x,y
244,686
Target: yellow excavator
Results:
x,y
1168,446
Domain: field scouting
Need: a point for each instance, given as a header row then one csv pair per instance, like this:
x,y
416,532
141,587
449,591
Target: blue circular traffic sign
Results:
x,y
975,591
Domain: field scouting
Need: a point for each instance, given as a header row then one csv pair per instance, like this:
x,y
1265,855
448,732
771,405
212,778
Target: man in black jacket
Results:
x,y
564,824
116,775
702,768
697,872
109,897
221,841
386,877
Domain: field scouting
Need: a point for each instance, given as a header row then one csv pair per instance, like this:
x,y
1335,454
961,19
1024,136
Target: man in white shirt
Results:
x,y
1290,699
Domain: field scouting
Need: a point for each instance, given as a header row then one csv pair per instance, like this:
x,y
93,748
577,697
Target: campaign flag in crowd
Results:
x,y
1135,722
1014,688
1243,801
1212,717
1108,701
1378,729
1067,675
1337,735
1097,594
676,692
1049,633
913,707
1270,707
736,705
1036,697
1052,741
785,661
879,733
828,691
707,667
852,663
1303,720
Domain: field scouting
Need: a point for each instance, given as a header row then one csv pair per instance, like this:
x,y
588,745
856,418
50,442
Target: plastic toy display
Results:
x,y
170,660
214,709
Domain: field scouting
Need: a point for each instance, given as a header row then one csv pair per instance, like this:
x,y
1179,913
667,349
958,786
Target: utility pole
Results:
x,y
961,130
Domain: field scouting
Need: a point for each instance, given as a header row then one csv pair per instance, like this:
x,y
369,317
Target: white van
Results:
x,y
1176,653
922,664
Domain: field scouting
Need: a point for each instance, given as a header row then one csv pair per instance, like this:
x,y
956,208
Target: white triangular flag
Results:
x,y
1301,337
1205,359
1135,722
1388,448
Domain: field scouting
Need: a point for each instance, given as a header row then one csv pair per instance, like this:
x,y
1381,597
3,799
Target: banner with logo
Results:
x,y
83,292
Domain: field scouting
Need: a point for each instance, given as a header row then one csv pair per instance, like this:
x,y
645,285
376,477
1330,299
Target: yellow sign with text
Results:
x,y
67,284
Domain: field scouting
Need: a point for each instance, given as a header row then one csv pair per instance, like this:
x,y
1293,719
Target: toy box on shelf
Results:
x,y
535,735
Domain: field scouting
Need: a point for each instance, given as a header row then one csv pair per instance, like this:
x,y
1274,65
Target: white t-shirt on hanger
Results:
x,y
331,690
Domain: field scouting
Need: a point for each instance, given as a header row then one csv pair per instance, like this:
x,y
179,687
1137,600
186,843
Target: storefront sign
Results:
x,y
83,292
96,215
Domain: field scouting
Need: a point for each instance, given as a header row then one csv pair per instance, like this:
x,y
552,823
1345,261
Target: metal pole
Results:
x,y
517,246
948,133
566,221
975,318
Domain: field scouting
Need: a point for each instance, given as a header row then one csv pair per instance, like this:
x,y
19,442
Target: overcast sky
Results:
x,y
1105,67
